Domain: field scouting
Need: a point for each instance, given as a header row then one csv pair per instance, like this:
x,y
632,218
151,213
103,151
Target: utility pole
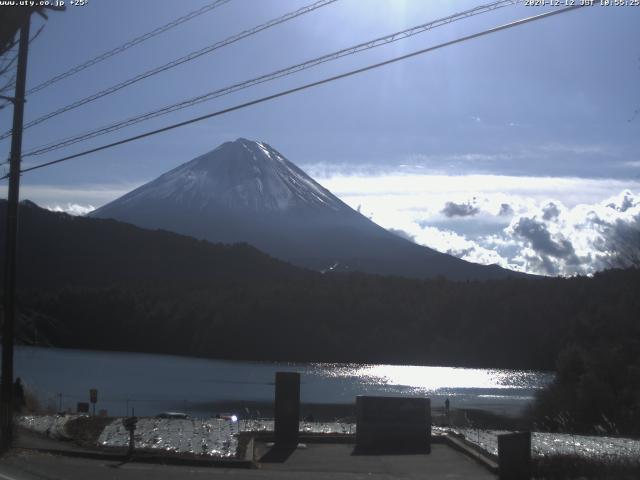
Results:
x,y
6,391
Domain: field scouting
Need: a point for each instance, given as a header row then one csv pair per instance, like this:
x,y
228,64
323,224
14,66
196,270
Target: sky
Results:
x,y
520,148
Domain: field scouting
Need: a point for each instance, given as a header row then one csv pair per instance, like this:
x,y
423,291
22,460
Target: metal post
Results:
x,y
130,425
132,442
6,391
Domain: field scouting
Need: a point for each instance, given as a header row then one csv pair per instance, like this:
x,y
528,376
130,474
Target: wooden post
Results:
x,y
6,390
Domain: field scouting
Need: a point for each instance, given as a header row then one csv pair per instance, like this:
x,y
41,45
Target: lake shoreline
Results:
x,y
151,384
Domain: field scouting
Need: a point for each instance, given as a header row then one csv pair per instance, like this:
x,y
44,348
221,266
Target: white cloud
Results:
x,y
460,246
452,209
400,198
71,208
573,148
81,195
452,187
577,240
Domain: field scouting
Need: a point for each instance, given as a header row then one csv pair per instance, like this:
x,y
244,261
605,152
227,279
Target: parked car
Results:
x,y
178,415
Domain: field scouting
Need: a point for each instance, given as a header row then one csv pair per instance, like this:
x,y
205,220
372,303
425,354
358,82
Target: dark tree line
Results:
x,y
360,318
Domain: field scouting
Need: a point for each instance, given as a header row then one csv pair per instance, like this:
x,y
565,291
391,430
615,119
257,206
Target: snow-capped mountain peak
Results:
x,y
242,175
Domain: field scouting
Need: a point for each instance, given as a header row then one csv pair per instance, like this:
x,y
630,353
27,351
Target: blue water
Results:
x,y
155,383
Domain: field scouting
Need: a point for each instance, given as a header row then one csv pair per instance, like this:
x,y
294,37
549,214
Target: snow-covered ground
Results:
x,y
266,425
213,436
548,444
51,425
218,437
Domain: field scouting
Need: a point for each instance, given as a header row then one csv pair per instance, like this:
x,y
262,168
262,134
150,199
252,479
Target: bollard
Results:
x,y
287,408
514,456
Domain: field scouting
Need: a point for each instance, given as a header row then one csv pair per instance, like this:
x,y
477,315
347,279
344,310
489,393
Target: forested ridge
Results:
x,y
100,284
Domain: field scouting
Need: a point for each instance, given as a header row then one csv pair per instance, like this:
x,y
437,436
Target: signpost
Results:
x,y
93,398
130,424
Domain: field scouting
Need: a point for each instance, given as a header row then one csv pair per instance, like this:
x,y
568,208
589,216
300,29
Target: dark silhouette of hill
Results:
x,y
101,284
56,249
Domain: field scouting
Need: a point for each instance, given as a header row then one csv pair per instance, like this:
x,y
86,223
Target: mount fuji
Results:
x,y
246,191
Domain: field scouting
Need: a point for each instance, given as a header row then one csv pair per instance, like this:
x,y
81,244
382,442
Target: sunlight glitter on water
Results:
x,y
431,379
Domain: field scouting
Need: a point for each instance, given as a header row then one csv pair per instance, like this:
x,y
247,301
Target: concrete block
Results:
x,y
287,408
514,456
393,424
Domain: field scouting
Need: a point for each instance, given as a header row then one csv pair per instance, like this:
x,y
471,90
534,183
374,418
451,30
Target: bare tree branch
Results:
x,y
624,243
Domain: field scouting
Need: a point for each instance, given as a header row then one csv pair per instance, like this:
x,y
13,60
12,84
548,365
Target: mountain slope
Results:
x,y
246,191
60,250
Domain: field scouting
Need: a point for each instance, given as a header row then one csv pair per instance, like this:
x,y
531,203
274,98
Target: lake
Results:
x,y
156,383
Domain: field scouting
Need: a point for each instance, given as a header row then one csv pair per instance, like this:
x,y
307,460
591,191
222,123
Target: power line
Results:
x,y
176,62
8,64
270,76
131,43
8,67
306,86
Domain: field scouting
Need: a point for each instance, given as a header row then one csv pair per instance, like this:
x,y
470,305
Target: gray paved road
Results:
x,y
316,463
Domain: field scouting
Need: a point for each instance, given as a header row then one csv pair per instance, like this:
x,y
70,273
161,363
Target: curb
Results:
x,y
269,436
472,451
147,458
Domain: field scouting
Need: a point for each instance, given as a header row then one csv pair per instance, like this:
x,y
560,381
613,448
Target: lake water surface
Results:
x,y
155,383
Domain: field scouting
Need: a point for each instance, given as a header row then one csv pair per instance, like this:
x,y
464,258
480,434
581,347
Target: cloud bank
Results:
x,y
71,208
541,225
452,209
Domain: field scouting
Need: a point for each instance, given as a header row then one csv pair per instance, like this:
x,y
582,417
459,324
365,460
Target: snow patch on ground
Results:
x,y
53,426
213,437
305,427
550,444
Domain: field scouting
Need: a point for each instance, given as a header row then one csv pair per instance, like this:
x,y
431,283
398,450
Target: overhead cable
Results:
x,y
304,87
269,77
175,63
131,43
